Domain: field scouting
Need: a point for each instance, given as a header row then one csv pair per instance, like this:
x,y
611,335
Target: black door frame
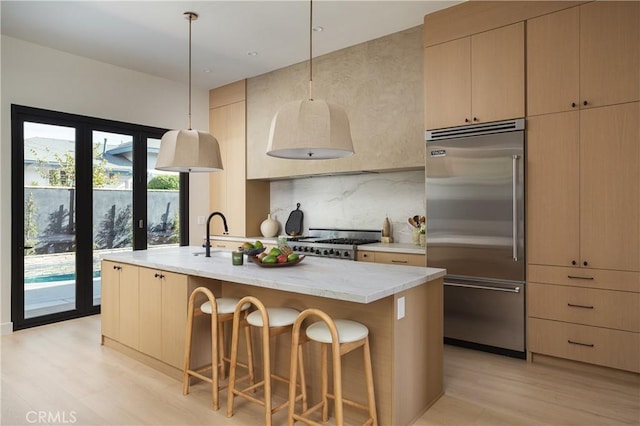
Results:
x,y
84,195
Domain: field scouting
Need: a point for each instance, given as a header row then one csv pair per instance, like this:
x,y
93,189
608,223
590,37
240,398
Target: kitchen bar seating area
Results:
x,y
375,295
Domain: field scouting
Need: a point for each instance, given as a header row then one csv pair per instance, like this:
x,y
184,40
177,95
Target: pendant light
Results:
x,y
310,129
189,150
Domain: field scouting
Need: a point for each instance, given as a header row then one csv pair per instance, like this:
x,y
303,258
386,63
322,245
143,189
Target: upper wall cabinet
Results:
x,y
582,57
475,79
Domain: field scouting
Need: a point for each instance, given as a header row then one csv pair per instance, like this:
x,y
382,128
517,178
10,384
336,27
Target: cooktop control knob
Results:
x,y
318,251
326,252
346,254
330,251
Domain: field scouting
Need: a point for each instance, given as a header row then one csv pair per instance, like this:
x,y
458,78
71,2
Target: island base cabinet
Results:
x,y
119,303
145,310
594,345
175,297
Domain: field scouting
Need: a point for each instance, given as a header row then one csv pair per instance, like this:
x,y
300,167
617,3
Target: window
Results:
x,y
87,186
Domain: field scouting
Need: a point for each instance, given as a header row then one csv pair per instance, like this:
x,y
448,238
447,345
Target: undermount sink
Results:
x,y
214,253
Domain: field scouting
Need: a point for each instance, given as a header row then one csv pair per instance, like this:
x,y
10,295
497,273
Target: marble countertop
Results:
x,y
361,282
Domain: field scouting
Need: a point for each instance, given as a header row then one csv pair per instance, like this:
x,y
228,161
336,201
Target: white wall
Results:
x,y
36,76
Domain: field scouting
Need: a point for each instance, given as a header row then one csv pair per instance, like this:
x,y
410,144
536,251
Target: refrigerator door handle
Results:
x,y
483,287
514,181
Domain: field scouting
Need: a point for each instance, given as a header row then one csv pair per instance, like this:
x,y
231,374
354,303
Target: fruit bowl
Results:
x,y
257,261
253,251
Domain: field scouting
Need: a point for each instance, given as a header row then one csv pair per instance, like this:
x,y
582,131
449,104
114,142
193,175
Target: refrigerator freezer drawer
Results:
x,y
486,313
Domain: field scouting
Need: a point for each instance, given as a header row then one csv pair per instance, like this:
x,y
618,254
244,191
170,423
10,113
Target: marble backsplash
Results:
x,y
359,201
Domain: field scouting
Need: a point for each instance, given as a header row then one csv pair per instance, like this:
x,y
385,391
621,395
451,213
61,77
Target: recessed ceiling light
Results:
x,y
318,28
252,53
207,70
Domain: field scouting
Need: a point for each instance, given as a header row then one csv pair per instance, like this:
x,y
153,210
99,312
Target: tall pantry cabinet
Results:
x,y
583,184
245,203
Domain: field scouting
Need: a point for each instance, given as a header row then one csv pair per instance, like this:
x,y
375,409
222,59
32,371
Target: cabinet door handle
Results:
x,y
475,118
590,345
398,261
580,306
466,120
573,277
585,103
573,104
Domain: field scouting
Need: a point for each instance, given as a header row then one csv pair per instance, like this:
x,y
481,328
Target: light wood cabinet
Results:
x,y
583,197
553,189
163,321
587,315
150,312
119,303
588,306
594,345
391,258
583,57
175,297
244,203
475,79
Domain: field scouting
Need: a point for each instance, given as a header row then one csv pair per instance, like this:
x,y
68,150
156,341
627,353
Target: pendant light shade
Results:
x,y
310,129
189,150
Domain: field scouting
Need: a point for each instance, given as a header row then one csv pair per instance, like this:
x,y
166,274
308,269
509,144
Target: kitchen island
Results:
x,y
144,297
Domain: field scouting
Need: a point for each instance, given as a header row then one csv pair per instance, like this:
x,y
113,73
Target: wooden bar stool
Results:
x,y
273,322
343,336
221,310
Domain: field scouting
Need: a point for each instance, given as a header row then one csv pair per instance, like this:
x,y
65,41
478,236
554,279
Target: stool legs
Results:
x,y
368,371
338,349
267,331
187,371
217,346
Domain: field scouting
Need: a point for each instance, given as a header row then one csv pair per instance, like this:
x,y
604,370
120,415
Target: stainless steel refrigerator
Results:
x,y
476,230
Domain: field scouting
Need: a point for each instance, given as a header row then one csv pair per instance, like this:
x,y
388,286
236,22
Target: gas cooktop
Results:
x,y
334,243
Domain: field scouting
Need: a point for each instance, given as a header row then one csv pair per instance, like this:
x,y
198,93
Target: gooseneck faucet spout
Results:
x,y
207,246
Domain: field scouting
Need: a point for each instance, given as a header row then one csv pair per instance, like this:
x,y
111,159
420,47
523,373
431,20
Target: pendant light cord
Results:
x,y
310,50
190,17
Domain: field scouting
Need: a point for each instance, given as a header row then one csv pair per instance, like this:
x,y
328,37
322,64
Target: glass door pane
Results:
x,y
49,219
112,198
163,201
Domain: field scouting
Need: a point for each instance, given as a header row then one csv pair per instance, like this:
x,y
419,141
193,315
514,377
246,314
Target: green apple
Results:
x,y
258,244
269,259
275,252
292,257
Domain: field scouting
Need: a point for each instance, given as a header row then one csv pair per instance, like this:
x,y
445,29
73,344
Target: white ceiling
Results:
x,y
152,36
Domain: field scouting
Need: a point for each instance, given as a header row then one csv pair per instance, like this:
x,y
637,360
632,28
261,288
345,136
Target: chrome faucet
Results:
x,y
207,245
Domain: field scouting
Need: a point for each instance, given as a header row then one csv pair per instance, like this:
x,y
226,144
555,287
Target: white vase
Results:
x,y
269,227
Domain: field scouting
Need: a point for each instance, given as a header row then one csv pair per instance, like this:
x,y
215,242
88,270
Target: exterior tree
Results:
x,y
65,172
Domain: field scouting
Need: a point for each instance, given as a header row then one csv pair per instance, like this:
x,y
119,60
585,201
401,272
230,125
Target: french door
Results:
x,y
83,187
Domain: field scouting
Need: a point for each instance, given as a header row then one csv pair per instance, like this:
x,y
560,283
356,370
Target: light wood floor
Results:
x,y
62,370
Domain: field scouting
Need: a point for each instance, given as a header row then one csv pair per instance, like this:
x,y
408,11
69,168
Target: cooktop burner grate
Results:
x,y
349,241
